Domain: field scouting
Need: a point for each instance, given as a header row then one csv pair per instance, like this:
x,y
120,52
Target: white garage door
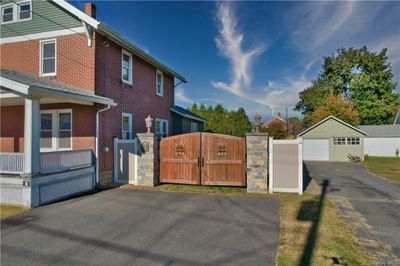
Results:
x,y
316,149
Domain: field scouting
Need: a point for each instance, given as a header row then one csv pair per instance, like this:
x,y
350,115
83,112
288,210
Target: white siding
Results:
x,y
316,149
381,146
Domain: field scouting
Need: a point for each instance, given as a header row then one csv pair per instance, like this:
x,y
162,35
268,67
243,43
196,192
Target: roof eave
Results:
x,y
106,31
188,116
326,119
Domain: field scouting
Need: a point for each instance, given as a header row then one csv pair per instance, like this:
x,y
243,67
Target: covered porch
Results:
x,y
37,136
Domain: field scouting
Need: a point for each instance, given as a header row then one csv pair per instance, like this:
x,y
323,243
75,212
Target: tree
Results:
x,y
337,106
297,125
276,130
360,76
222,121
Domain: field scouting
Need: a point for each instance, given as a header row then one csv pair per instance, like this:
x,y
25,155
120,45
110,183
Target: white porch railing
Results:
x,y
57,161
50,162
11,163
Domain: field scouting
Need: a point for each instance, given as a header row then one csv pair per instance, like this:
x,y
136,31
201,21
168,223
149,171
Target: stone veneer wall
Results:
x,y
148,161
257,162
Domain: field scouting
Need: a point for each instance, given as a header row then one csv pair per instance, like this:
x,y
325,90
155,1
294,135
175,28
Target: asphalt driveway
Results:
x,y
145,227
370,202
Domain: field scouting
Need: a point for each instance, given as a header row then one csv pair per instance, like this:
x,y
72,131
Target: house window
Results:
x,y
7,14
126,67
194,127
48,58
346,141
162,127
56,130
159,83
16,12
126,126
24,11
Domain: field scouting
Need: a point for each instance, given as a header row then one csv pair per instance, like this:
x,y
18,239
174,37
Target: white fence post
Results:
x,y
271,165
300,150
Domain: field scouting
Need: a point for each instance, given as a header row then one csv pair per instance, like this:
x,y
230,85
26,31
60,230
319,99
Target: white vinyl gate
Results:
x,y
285,166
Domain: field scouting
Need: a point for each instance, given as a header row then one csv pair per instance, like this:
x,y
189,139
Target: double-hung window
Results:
x,y
24,11
7,14
194,127
56,130
16,12
48,59
126,74
126,126
162,127
159,83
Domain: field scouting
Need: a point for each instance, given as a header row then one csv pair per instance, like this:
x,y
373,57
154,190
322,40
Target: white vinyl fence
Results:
x,y
286,166
381,146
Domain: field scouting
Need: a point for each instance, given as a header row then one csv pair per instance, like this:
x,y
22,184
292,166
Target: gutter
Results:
x,y
97,140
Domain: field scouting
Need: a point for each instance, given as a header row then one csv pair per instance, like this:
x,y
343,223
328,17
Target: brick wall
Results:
x,y
139,99
75,60
12,126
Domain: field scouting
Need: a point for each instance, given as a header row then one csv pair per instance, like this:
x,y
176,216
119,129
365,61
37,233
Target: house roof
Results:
x,y
272,119
185,113
382,130
25,84
103,29
338,120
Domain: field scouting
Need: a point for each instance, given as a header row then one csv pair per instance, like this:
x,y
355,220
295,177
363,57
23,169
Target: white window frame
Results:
x,y
130,81
19,10
161,121
346,141
196,126
16,9
161,93
14,13
41,58
129,124
55,130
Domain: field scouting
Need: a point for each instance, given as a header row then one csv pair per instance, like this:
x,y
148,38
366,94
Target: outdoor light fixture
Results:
x,y
257,121
149,122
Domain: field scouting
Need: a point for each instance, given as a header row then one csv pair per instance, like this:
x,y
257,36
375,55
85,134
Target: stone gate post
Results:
x,y
257,162
148,160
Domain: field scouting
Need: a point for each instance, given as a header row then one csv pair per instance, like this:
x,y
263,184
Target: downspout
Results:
x,y
97,140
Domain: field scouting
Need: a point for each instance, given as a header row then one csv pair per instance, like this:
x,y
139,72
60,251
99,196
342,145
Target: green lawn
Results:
x,y
387,167
10,210
312,232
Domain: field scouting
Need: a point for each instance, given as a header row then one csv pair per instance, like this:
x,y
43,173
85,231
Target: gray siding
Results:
x,y
49,17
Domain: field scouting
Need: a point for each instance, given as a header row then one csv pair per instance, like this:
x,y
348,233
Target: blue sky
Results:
x,y
256,55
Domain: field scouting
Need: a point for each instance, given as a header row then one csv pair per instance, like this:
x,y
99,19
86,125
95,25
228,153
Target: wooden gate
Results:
x,y
203,159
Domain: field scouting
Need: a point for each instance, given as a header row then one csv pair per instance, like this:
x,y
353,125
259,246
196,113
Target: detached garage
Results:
x,y
332,140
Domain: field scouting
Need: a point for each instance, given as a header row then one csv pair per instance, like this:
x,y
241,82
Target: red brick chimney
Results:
x,y
90,9
278,114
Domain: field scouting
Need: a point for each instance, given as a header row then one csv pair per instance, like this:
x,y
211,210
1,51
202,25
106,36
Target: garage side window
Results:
x,y
346,141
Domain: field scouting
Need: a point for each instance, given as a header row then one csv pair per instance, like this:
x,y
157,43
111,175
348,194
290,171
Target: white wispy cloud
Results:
x,y
230,44
181,96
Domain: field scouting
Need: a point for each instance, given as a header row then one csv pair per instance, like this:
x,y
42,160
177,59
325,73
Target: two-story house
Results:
x,y
70,83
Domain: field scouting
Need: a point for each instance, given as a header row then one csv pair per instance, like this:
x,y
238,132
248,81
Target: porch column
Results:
x,y
32,136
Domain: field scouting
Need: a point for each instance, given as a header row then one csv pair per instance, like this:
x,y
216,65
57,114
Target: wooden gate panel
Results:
x,y
179,159
223,160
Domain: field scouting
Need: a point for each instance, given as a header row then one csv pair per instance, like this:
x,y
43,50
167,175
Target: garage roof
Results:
x,y
338,120
383,131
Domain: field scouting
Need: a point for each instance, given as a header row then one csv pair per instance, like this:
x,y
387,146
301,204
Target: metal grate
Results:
x,y
55,191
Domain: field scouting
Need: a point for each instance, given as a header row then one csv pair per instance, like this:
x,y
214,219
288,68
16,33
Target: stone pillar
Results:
x,y
148,160
32,137
257,162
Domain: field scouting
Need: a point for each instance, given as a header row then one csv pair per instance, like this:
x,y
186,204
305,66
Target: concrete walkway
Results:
x,y
369,202
139,227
